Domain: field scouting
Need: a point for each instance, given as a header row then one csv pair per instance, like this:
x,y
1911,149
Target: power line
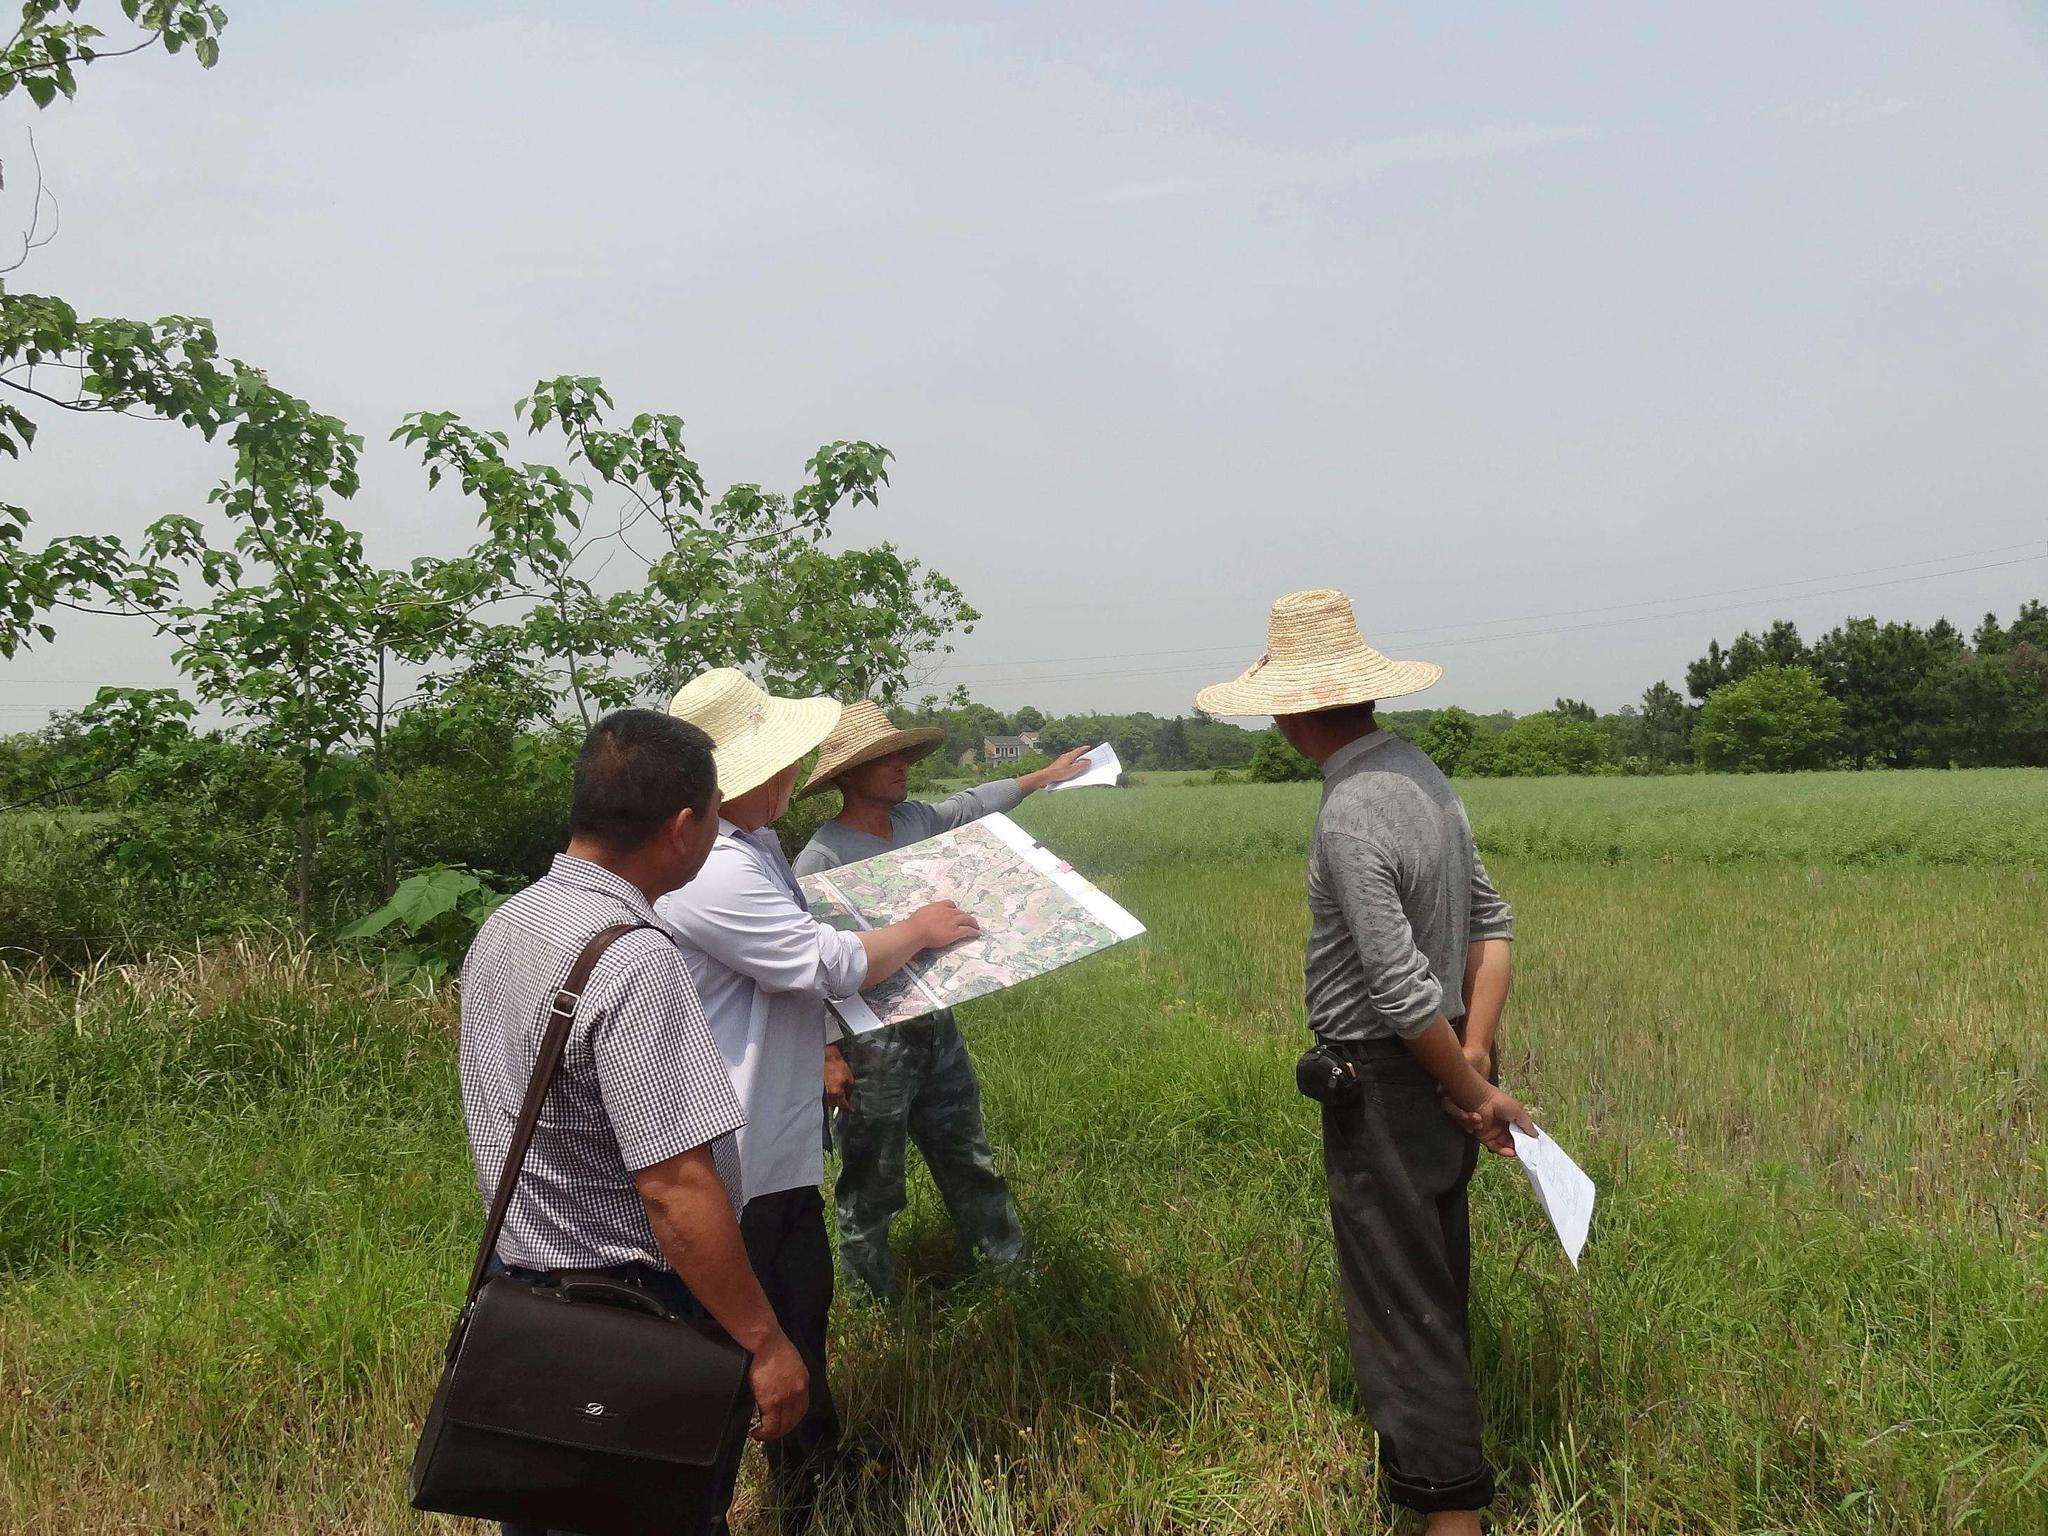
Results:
x,y
1424,631
1534,634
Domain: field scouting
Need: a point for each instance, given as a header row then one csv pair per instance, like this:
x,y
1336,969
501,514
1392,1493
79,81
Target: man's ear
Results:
x,y
681,827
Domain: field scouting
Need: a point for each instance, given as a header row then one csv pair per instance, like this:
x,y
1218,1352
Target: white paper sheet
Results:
x,y
1103,768
1562,1187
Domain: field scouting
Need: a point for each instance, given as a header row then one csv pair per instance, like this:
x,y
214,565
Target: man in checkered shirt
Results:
x,y
633,1169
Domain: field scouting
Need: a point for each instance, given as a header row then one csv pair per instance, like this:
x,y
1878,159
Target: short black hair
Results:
x,y
637,769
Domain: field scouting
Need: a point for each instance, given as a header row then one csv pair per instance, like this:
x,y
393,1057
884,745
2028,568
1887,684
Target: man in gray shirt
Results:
x,y
912,1081
1405,977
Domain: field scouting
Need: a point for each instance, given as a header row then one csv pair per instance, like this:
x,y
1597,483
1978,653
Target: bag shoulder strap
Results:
x,y
553,1040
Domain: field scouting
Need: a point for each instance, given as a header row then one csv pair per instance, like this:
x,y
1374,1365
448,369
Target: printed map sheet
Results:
x,y
1036,915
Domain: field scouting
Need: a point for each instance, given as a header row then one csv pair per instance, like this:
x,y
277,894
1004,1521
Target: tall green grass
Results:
x,y
235,1202
1990,816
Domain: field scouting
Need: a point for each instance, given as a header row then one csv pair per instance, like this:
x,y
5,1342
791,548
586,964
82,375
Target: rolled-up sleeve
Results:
x,y
746,920
1399,983
665,1087
1492,917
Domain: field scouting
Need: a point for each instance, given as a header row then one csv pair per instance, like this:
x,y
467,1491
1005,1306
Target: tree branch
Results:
x,y
61,789
29,242
23,71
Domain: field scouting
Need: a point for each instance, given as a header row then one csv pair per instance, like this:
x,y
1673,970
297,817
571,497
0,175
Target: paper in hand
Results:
x,y
1102,768
1561,1185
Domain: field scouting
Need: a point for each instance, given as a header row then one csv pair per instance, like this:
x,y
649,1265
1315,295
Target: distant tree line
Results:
x,y
1864,695
1142,740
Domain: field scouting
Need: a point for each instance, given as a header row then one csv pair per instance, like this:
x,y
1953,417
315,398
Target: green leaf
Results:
x,y
370,923
430,893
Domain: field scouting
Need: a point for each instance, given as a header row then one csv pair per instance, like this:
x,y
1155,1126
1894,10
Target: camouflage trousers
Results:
x,y
915,1082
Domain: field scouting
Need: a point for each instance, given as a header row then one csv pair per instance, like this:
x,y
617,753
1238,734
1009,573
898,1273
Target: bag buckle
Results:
x,y
565,1003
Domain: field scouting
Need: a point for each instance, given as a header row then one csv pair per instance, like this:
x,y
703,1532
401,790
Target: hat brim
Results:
x,y
920,743
789,728
1263,689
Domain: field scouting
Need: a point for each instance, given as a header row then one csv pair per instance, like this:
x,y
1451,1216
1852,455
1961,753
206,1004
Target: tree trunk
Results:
x,y
304,893
387,828
576,692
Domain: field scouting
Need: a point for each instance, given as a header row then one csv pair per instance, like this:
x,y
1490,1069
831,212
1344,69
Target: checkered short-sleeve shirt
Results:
x,y
641,1079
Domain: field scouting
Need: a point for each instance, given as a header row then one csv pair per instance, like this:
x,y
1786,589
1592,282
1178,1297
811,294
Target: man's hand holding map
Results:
x,y
1036,915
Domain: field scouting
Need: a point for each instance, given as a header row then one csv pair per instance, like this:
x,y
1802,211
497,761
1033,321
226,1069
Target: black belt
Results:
x,y
1377,1048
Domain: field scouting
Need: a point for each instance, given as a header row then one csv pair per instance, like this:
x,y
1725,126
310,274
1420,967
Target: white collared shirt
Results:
x,y
764,968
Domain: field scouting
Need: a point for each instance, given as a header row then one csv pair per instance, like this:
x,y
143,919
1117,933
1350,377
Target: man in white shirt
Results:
x,y
764,968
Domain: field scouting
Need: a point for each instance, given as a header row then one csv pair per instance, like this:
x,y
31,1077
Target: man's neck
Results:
x,y
862,815
1371,728
636,869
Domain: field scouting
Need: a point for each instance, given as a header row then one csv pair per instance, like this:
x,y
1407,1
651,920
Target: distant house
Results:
x,y
1004,749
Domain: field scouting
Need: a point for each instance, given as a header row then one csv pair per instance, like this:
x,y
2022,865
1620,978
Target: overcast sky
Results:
x,y
1497,317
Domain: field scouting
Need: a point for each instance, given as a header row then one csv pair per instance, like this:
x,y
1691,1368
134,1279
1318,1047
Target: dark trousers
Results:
x,y
669,1287
1398,1170
915,1082
789,1249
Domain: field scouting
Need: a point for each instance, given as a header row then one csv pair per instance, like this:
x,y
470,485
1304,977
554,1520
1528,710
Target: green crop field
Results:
x,y
1794,1026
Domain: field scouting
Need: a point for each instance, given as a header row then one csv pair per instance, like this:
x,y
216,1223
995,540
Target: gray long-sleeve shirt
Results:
x,y
1396,891
912,821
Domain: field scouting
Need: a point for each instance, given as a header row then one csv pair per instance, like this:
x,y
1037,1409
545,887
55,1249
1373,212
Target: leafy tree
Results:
x,y
1219,744
1878,673
1779,646
110,734
1985,709
740,579
1170,748
1275,762
1028,718
1663,731
1575,709
50,45
1542,745
1451,738
1773,721
862,623
2029,628
272,641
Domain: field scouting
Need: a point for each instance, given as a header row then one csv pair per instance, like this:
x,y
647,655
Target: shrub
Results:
x,y
434,914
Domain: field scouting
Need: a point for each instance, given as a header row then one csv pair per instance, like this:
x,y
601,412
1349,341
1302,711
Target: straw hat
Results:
x,y
863,734
1314,660
754,735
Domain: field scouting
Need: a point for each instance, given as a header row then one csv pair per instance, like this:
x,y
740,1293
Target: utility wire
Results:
x,y
1533,634
1568,613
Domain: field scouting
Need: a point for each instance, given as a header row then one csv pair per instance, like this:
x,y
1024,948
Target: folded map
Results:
x,y
1036,915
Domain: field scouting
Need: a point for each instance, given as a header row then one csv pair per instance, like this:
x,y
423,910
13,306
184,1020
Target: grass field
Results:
x,y
1794,1026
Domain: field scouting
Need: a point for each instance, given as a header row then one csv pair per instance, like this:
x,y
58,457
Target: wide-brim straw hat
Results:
x,y
863,734
1315,659
754,735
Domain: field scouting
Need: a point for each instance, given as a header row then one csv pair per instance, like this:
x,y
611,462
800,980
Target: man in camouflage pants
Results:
x,y
912,1081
